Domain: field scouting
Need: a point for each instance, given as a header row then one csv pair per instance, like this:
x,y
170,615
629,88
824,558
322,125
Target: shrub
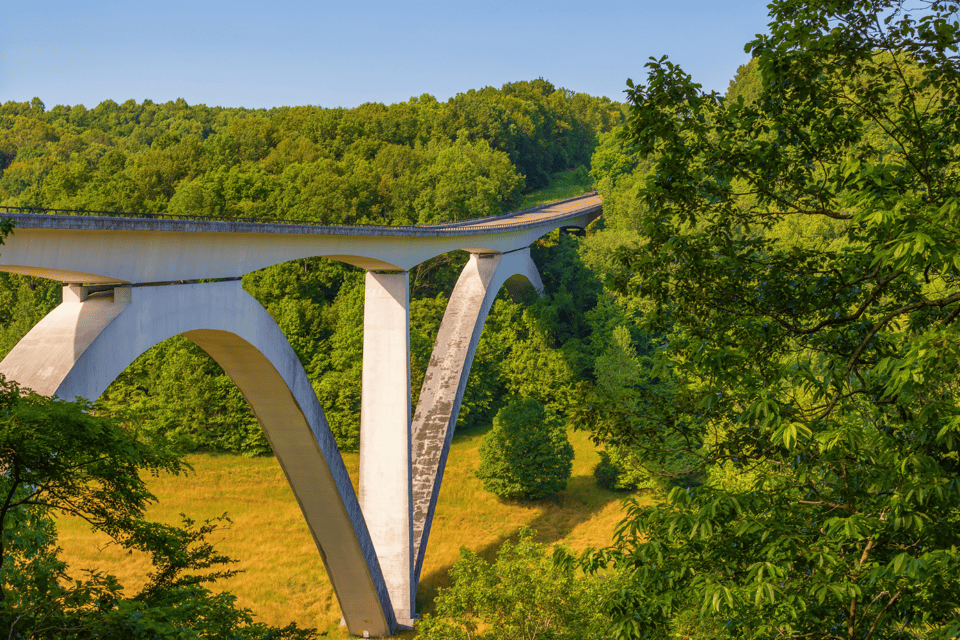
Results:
x,y
610,476
523,594
526,454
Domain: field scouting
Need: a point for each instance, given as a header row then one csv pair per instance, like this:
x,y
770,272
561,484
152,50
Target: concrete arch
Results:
x,y
86,342
446,377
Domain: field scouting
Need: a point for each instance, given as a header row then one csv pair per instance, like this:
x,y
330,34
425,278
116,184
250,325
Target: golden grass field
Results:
x,y
283,579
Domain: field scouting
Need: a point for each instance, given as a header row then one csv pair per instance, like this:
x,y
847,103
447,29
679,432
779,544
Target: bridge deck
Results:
x,y
132,249
29,219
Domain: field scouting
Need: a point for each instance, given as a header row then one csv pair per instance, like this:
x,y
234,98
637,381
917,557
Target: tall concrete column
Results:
x,y
385,451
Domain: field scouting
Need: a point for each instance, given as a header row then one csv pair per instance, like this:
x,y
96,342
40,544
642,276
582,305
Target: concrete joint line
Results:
x,y
181,282
515,251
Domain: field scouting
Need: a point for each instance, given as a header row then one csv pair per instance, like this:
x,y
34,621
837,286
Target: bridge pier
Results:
x,y
385,453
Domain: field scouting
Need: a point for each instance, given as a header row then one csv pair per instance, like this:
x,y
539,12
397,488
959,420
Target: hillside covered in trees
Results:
x,y
410,163
417,162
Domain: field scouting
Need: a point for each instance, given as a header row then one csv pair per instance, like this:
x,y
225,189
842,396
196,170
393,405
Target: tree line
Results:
x,y
416,162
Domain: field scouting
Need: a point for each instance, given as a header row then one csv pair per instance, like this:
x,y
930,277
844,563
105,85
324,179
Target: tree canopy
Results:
x,y
797,263
413,162
526,454
520,595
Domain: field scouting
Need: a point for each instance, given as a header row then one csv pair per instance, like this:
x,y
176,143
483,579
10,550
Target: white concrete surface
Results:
x,y
90,249
446,377
385,455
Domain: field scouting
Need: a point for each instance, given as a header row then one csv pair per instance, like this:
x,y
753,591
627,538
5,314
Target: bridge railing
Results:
x,y
164,216
282,221
512,214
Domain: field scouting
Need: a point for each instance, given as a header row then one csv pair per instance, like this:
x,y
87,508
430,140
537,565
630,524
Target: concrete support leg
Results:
x,y
86,342
385,454
446,377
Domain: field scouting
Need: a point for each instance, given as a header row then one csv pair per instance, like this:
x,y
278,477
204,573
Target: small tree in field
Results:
x,y
526,454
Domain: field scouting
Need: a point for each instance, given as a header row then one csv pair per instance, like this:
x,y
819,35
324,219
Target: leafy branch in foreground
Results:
x,y
800,262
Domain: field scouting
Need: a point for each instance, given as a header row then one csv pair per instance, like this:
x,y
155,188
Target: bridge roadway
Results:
x,y
132,282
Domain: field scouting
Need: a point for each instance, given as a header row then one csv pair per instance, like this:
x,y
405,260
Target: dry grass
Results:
x,y
283,579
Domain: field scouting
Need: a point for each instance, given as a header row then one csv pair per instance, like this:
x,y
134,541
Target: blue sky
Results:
x,y
289,52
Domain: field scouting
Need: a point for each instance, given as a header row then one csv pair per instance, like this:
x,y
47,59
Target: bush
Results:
x,y
523,594
610,476
526,454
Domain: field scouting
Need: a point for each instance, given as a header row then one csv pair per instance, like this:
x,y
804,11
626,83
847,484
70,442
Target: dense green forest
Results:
x,y
417,162
411,163
792,246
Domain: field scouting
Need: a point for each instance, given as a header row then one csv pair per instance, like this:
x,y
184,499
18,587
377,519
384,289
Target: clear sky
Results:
x,y
292,52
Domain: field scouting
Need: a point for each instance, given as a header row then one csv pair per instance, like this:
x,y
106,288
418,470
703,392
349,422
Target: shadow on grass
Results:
x,y
559,516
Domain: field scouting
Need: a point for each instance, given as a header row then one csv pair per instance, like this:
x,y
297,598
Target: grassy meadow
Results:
x,y
283,579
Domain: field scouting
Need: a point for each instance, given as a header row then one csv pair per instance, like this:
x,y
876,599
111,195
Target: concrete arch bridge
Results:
x,y
131,282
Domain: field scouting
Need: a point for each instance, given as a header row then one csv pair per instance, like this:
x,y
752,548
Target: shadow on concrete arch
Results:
x,y
446,377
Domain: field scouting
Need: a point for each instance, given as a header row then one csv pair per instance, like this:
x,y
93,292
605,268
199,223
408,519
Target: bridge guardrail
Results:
x,y
464,225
